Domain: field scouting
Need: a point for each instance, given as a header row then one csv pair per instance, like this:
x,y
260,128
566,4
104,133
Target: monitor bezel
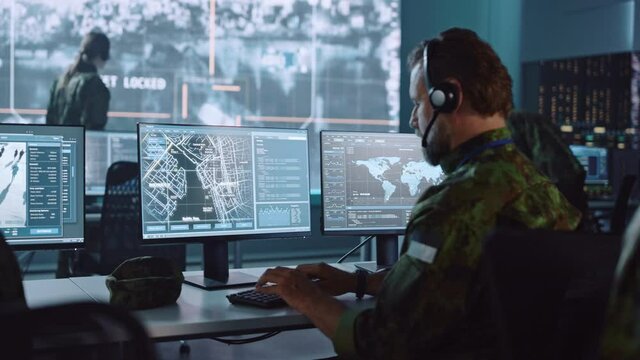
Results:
x,y
354,232
106,133
222,237
67,245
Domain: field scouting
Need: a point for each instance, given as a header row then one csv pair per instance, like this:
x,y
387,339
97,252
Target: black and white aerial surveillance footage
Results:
x,y
317,64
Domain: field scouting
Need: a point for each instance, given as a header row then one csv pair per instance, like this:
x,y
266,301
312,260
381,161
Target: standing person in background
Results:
x,y
79,97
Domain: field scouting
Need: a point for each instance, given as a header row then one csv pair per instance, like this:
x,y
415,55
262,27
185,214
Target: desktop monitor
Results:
x,y
212,184
594,161
370,183
42,186
103,149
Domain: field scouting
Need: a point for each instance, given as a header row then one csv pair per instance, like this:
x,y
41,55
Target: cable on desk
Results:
x,y
247,340
355,248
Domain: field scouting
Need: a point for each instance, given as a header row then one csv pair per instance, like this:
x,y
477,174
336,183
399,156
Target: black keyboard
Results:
x,y
255,298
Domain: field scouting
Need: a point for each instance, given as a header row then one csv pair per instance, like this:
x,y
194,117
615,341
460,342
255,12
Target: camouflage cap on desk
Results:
x,y
145,282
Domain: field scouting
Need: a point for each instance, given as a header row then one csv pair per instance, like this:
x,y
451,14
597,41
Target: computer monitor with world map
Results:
x,y
211,184
371,181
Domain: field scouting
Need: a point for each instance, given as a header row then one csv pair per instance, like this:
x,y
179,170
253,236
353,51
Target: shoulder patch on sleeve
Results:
x,y
422,252
424,246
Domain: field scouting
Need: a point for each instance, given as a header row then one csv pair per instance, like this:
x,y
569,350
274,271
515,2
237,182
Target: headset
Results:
x,y
443,96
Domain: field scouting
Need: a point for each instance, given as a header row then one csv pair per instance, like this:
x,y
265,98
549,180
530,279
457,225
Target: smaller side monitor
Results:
x,y
594,161
371,181
41,185
103,149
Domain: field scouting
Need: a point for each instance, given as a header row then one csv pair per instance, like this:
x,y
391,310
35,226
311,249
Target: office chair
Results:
x,y
120,231
74,331
549,291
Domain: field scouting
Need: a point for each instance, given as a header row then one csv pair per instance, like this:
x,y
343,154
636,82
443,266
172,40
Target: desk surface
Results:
x,y
197,313
48,292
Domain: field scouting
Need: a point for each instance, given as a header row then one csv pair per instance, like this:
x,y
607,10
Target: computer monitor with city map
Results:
x,y
212,184
103,149
370,183
42,186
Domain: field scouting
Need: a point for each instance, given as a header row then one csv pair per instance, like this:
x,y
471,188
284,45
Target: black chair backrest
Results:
x,y
549,291
619,213
120,227
74,331
120,219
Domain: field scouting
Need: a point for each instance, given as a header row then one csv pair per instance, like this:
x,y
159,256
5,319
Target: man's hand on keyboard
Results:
x,y
293,285
333,281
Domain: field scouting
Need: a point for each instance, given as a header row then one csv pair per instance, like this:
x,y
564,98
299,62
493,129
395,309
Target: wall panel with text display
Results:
x,y
280,63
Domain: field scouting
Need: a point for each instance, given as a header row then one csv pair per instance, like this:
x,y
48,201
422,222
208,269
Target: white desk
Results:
x,y
197,313
47,292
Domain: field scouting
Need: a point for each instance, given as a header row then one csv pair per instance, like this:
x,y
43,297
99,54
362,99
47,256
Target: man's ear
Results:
x,y
457,84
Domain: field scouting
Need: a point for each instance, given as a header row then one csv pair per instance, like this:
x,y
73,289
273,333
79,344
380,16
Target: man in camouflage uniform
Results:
x,y
621,336
431,304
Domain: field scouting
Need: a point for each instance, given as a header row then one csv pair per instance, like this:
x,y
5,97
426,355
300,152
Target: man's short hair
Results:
x,y
460,54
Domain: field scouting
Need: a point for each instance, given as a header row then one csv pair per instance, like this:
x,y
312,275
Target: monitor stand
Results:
x,y
216,269
386,254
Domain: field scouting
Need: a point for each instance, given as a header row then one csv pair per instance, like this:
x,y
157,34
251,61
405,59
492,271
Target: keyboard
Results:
x,y
255,298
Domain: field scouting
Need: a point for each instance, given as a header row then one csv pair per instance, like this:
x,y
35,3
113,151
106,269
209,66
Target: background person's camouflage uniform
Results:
x,y
541,141
621,336
84,101
430,309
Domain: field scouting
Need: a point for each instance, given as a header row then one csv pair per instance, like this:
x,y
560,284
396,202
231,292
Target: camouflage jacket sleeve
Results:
x,y
423,300
96,99
621,336
52,111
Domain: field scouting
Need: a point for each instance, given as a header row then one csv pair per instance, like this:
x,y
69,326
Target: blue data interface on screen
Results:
x,y
39,199
594,161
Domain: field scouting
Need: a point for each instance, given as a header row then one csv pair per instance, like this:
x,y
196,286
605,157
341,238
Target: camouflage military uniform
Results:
x,y
541,141
423,308
621,336
84,101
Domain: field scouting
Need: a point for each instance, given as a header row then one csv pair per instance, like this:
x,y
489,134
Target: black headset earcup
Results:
x,y
444,97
